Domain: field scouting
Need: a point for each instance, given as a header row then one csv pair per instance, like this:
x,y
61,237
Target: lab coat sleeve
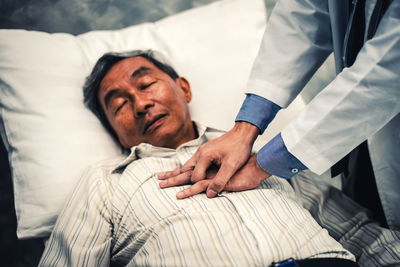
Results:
x,y
355,105
296,42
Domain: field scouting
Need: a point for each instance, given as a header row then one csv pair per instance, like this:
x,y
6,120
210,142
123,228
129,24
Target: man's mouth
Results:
x,y
153,123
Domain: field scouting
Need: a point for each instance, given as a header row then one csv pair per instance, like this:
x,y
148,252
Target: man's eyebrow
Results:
x,y
108,96
139,72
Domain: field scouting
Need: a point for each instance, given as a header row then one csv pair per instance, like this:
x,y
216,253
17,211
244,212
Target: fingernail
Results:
x,y
161,175
180,194
163,183
211,193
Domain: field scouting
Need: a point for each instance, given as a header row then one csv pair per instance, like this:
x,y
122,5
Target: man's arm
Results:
x,y
355,105
82,234
361,100
296,42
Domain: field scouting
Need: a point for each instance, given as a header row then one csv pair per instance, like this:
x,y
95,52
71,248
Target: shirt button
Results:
x,y
294,170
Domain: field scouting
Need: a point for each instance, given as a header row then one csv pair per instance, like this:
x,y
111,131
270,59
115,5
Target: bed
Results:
x,y
190,38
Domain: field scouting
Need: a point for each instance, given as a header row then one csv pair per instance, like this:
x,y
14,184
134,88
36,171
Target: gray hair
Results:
x,y
100,69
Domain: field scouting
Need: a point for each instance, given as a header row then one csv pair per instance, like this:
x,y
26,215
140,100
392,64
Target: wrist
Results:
x,y
247,131
260,172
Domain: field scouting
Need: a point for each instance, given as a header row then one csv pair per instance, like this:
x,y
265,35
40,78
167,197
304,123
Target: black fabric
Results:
x,y
326,262
354,38
317,262
379,10
359,183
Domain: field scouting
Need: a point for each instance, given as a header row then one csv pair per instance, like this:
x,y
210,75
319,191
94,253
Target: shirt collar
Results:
x,y
144,150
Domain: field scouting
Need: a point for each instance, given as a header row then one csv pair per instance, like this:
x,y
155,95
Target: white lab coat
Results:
x,y
362,102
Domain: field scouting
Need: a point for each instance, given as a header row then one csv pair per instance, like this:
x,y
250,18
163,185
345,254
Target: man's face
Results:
x,y
145,105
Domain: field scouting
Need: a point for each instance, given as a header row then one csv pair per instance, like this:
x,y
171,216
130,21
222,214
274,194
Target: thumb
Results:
x,y
224,174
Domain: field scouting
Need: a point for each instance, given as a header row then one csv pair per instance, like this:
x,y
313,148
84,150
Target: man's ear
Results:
x,y
185,86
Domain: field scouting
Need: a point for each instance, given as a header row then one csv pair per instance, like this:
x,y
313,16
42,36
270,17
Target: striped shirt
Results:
x,y
118,215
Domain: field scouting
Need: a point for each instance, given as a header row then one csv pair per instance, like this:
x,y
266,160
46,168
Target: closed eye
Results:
x,y
120,106
142,87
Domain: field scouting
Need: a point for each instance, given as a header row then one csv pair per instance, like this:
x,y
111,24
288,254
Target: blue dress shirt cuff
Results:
x,y
275,159
257,111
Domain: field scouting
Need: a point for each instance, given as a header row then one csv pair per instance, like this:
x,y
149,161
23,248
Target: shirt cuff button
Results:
x,y
294,170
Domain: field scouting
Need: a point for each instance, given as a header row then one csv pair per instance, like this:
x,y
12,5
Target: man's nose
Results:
x,y
143,103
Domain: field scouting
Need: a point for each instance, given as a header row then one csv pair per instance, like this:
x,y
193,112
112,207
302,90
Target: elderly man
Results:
x,y
118,214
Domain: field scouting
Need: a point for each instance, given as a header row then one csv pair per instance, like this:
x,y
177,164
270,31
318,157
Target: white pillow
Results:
x,y
50,135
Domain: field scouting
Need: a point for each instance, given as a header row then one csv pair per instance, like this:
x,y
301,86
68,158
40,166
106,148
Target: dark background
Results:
x,y
78,16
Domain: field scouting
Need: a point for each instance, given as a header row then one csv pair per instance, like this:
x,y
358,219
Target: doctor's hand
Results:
x,y
249,176
228,154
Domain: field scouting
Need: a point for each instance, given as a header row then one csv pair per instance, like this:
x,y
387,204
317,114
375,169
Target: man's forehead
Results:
x,y
128,68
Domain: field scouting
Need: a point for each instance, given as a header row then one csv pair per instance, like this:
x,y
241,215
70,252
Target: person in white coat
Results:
x,y
351,126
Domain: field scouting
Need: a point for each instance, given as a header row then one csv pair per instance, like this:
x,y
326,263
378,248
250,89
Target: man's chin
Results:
x,y
169,136
165,139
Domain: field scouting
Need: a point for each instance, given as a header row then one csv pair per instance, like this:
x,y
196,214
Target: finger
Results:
x,y
183,178
166,175
200,170
188,166
226,171
193,190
